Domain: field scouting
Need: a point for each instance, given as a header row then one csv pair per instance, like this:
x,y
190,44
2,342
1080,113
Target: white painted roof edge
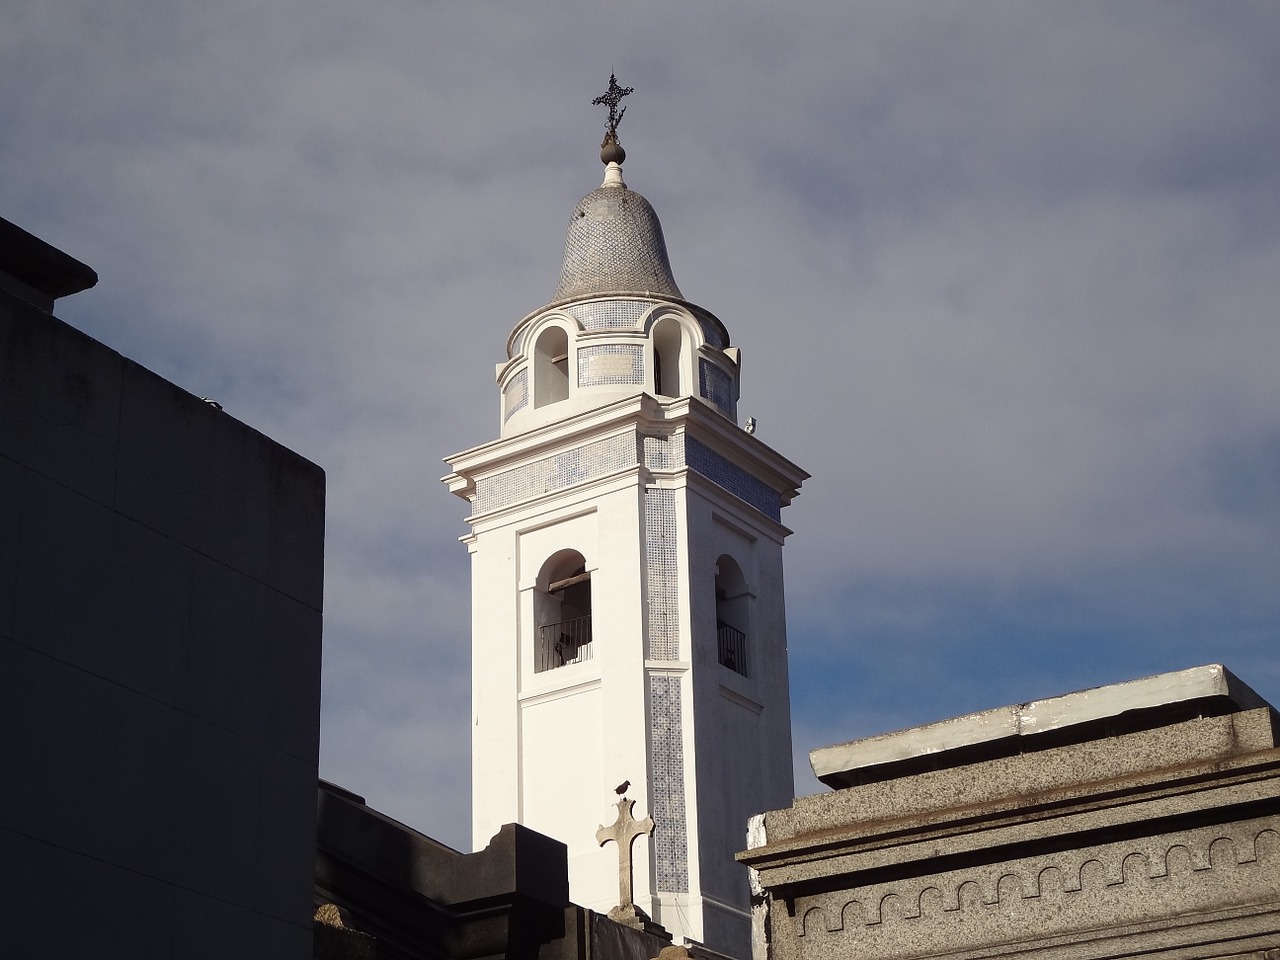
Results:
x,y
1036,716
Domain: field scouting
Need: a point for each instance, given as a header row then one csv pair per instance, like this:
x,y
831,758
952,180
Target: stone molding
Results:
x,y
1065,880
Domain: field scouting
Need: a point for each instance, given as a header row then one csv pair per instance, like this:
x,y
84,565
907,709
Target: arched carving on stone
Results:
x,y
1092,876
1058,881
1051,882
1178,860
813,921
929,903
1222,853
1135,866
1266,845
852,914
968,896
1009,889
891,908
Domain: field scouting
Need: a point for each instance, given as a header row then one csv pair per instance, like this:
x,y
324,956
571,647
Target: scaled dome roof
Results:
x,y
614,244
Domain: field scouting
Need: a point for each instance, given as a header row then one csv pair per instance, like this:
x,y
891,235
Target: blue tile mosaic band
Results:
x,y
611,314
733,478
716,386
660,569
711,334
610,363
517,393
555,473
670,828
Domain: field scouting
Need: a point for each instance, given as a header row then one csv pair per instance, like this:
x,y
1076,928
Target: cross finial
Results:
x,y
610,149
623,832
611,98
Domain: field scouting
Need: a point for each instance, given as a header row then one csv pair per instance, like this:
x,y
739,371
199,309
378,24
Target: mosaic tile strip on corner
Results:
x,y
556,472
517,393
670,840
661,573
717,387
610,363
733,478
664,453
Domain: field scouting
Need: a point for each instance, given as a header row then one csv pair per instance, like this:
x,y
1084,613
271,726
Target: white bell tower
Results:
x,y
627,600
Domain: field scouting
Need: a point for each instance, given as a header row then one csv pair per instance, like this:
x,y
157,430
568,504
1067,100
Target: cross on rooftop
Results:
x,y
612,98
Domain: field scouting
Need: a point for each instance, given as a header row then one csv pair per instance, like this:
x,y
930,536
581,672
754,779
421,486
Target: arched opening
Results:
x,y
551,367
670,378
732,600
562,612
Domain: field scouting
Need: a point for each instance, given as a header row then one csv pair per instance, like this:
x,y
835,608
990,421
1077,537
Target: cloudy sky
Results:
x,y
1005,278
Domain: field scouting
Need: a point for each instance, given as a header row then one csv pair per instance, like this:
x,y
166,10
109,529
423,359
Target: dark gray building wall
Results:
x,y
160,603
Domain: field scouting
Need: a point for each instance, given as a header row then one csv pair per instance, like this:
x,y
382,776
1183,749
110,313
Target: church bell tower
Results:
x,y
627,592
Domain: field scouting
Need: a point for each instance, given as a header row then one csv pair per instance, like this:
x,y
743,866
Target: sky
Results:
x,y
1004,277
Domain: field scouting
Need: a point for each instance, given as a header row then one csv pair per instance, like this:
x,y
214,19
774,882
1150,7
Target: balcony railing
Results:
x,y
733,648
560,644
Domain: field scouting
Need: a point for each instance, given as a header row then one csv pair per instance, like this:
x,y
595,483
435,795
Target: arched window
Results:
x,y
551,367
670,378
732,600
562,612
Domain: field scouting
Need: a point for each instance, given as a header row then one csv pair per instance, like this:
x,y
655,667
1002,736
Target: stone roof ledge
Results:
x,y
1149,702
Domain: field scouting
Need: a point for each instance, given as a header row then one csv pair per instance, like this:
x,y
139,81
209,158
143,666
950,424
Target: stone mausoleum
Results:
x,y
1135,820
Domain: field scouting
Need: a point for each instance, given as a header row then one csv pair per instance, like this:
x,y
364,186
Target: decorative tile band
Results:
x,y
611,314
516,394
517,345
733,478
670,841
610,363
711,334
661,573
555,473
717,387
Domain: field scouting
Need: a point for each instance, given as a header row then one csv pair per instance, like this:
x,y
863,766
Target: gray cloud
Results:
x,y
1004,278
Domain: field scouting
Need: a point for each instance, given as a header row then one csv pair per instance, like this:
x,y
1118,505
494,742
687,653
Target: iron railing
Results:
x,y
733,648
559,644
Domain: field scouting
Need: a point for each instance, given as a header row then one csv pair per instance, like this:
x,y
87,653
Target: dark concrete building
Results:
x,y
391,893
160,597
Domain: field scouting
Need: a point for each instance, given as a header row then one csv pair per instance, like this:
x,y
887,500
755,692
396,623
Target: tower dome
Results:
x,y
614,244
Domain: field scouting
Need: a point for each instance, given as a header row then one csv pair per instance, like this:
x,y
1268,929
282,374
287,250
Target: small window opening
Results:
x,y
732,599
563,612
551,367
669,379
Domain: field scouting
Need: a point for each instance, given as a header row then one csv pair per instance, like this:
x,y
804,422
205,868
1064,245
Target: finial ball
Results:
x,y
611,150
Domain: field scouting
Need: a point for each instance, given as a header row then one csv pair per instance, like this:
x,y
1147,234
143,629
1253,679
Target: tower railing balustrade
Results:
x,y
732,647
563,643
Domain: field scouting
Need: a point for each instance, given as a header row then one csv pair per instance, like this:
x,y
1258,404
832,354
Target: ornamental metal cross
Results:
x,y
623,832
611,99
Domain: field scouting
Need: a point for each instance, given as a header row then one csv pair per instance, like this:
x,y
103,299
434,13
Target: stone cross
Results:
x,y
623,832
